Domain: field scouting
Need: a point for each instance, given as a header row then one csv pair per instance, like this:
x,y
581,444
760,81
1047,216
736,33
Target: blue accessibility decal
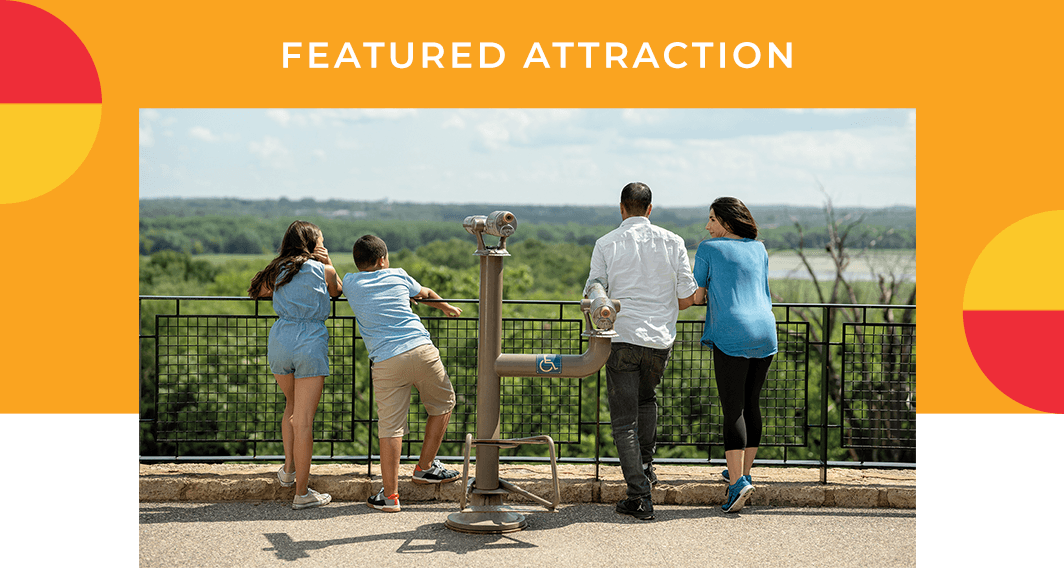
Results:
x,y
548,364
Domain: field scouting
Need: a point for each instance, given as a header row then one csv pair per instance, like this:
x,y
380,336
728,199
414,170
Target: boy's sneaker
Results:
x,y
641,508
724,474
386,504
737,495
311,499
436,473
286,479
648,470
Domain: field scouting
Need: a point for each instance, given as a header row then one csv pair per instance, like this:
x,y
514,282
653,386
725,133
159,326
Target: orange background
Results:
x,y
983,84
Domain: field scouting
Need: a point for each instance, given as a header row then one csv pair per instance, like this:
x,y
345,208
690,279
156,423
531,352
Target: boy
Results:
x,y
401,355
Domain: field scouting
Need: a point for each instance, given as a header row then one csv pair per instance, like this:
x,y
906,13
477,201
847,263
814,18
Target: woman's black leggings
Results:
x,y
739,382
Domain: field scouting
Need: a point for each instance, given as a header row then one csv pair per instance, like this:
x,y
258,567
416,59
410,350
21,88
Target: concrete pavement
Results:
x,y
349,533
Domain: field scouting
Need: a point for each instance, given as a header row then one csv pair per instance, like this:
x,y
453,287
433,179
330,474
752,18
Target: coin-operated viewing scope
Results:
x,y
599,310
487,493
500,224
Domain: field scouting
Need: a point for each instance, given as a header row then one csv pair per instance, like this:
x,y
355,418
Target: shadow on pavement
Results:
x,y
436,537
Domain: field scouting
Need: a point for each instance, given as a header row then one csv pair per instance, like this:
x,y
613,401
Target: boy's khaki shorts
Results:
x,y
421,368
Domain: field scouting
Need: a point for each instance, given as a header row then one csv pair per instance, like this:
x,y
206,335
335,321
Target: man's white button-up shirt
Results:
x,y
647,269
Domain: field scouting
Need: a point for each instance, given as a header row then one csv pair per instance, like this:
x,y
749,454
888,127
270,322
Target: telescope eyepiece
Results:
x,y
500,224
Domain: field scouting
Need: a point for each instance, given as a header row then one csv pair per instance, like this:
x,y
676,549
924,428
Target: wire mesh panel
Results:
x,y
456,338
689,410
688,407
529,406
879,387
211,385
343,412
214,382
784,397
207,390
544,404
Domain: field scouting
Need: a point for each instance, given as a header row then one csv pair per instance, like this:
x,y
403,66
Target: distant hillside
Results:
x,y
768,216
235,226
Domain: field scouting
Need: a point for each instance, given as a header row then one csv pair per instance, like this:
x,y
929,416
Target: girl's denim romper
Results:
x,y
299,341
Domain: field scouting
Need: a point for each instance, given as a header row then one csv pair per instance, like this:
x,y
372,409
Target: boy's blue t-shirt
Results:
x,y
381,302
739,318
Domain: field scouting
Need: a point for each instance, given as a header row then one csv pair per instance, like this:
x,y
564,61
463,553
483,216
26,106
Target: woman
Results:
x,y
300,280
731,270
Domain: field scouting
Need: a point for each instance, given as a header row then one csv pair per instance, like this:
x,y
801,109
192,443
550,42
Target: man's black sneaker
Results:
x,y
648,470
639,507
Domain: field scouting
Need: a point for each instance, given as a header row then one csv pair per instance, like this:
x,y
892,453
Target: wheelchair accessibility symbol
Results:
x,y
548,364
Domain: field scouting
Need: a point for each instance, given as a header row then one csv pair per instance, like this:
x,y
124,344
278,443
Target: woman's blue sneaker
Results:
x,y
724,474
737,495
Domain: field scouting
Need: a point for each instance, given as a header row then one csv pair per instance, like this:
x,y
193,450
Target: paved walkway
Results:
x,y
348,533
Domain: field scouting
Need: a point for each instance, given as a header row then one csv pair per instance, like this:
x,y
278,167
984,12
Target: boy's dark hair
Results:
x,y
367,250
636,198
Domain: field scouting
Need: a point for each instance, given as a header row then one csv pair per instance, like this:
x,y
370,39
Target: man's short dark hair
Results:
x,y
636,198
367,250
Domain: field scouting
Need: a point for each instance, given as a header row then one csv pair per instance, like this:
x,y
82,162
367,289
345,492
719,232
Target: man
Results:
x,y
647,269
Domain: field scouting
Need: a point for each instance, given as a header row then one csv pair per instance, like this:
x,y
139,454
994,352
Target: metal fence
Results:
x,y
842,384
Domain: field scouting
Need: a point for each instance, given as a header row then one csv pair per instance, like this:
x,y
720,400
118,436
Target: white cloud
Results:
x,y
279,115
529,127
147,116
335,117
454,121
319,154
826,111
272,151
146,137
388,113
640,116
202,133
493,134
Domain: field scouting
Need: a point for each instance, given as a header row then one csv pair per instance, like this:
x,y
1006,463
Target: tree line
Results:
x,y
220,233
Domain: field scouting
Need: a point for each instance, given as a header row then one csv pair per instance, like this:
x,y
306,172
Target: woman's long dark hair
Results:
x,y
298,243
734,216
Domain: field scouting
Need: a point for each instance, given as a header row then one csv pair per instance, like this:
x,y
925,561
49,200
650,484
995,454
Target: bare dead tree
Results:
x,y
880,365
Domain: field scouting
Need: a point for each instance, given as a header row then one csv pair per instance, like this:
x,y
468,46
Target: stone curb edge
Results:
x,y
261,486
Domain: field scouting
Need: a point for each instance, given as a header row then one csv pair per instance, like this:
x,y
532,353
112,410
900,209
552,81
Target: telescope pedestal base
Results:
x,y
486,522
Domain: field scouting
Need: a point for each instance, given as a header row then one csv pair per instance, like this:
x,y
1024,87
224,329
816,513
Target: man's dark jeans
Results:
x,y
632,373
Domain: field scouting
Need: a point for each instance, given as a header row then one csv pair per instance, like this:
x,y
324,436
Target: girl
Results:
x,y
300,280
731,268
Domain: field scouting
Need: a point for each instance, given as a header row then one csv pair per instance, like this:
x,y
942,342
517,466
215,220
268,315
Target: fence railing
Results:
x,y
841,390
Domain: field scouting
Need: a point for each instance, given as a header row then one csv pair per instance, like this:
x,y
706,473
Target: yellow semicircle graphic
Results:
x,y
42,145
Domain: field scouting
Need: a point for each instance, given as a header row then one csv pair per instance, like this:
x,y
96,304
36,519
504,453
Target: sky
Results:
x,y
688,157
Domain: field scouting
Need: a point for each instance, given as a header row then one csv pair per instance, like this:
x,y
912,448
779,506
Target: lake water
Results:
x,y
787,264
